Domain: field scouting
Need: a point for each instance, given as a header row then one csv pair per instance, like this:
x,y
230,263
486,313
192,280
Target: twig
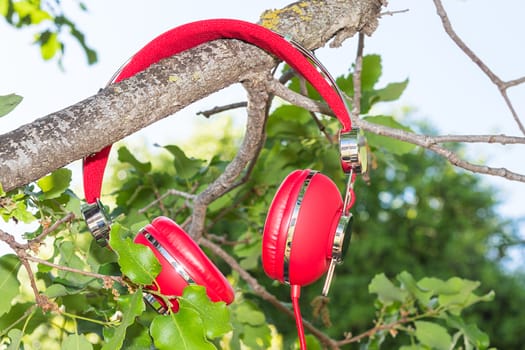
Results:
x,y
278,89
356,108
220,109
501,139
171,192
502,86
320,126
391,13
424,141
38,239
117,279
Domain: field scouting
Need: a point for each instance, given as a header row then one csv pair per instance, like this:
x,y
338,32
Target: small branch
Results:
x,y
37,240
117,279
514,82
171,192
501,139
423,141
502,86
356,108
391,13
320,126
278,89
208,113
262,292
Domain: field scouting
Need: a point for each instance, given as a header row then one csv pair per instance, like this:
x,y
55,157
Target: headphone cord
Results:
x,y
295,295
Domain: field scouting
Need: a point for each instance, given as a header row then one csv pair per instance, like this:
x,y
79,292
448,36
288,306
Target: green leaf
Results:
x,y
388,143
246,312
31,9
257,337
125,156
8,103
56,290
185,167
137,261
386,291
131,306
183,330
215,316
392,91
137,338
69,257
54,184
370,72
470,331
76,342
49,45
16,338
312,343
21,213
433,335
455,293
4,7
408,282
9,285
2,192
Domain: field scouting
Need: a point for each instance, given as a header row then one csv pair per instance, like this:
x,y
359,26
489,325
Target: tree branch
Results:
x,y
53,141
250,147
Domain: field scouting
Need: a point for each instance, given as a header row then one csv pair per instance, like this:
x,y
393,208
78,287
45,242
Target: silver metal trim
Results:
x,y
291,226
339,238
337,250
152,301
351,152
166,255
97,221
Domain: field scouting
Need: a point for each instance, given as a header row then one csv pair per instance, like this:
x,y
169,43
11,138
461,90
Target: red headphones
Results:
x,y
308,225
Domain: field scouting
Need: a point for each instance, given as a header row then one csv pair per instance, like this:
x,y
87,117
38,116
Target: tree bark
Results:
x,y
59,138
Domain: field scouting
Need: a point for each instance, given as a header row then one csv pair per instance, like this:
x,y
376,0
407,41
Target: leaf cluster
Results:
x,y
51,22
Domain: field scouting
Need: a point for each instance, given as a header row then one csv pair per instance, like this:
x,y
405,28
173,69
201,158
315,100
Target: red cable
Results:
x,y
296,294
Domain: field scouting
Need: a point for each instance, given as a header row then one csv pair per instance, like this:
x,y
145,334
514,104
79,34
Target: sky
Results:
x,y
445,87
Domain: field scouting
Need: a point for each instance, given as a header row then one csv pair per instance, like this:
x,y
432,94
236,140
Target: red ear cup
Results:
x,y
300,227
183,262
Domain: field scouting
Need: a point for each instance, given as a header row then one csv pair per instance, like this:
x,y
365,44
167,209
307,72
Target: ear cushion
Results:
x,y
277,223
199,267
320,209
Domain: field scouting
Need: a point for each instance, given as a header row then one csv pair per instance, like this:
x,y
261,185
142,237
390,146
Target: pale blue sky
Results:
x,y
445,87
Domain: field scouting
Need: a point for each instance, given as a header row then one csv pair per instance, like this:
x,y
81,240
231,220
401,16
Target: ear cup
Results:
x,y
183,261
300,228
277,224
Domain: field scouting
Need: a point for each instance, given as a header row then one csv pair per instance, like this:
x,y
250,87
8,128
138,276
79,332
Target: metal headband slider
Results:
x,y
97,221
351,151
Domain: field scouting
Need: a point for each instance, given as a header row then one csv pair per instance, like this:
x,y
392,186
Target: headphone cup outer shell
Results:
x,y
181,248
320,210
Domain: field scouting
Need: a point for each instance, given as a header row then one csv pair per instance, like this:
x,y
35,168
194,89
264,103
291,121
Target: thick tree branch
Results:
x,y
250,147
51,142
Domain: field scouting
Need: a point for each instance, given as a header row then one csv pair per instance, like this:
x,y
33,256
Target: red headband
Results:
x,y
193,34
